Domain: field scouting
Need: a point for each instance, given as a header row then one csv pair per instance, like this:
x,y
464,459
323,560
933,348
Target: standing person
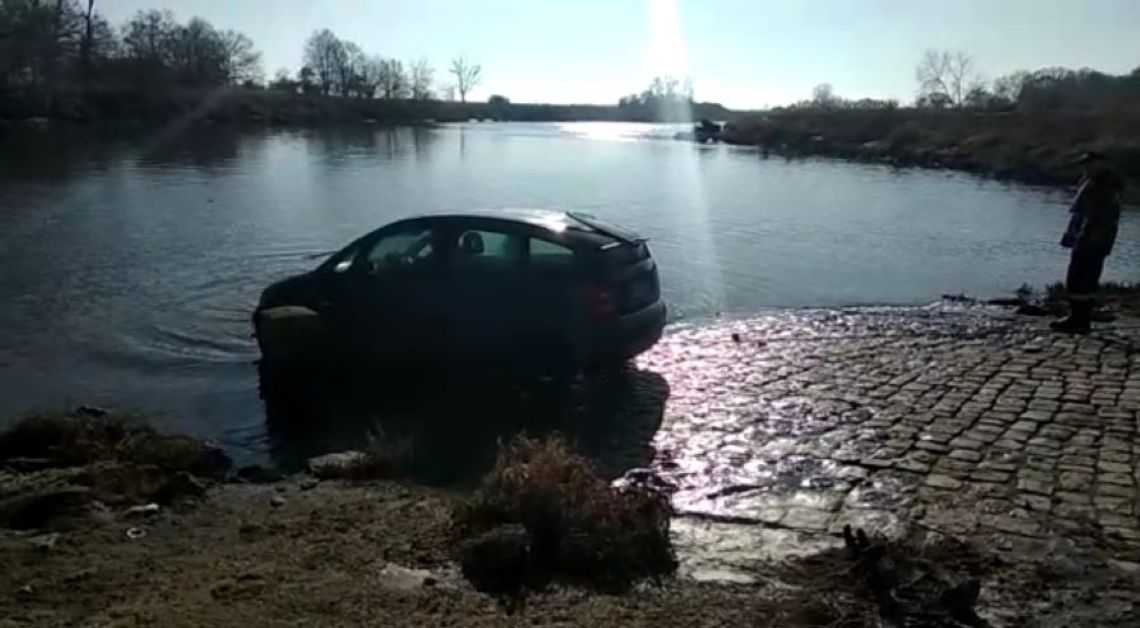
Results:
x,y
1090,235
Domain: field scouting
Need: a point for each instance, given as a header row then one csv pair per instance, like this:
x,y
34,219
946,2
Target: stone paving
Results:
x,y
970,422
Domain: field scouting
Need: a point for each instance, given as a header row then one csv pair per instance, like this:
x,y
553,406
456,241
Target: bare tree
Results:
x,y
420,79
323,54
240,61
349,68
393,81
467,76
371,75
823,95
949,74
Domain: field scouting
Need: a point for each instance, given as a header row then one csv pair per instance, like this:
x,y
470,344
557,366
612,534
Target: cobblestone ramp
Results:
x,y
968,422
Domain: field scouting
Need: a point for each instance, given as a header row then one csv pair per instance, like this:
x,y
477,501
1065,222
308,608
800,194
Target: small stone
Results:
x,y
333,466
967,455
45,542
1034,486
401,578
990,475
928,445
1116,490
1113,467
1022,527
1071,481
938,480
1070,497
807,519
912,465
1126,566
277,501
309,484
146,510
966,443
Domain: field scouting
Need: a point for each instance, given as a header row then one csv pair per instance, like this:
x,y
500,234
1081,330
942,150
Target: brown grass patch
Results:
x,y
86,437
580,529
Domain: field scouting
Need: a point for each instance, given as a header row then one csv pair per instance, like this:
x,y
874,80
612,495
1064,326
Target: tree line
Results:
x,y
54,50
952,80
52,45
334,66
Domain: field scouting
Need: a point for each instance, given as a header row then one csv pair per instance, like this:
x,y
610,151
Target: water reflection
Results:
x,y
198,147
454,421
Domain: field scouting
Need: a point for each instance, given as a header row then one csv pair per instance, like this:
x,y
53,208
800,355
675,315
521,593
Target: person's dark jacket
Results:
x,y
1095,214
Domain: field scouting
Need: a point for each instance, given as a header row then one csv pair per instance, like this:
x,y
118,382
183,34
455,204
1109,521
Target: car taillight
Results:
x,y
600,301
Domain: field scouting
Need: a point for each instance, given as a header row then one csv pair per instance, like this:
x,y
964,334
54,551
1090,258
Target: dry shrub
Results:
x,y
85,437
580,528
911,581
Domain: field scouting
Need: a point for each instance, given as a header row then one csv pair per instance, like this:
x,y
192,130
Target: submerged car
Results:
x,y
556,291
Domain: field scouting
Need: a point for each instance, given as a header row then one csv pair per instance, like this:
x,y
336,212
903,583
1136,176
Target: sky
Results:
x,y
741,53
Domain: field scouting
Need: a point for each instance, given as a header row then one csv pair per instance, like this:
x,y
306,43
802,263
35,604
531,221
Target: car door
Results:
x,y
388,302
486,291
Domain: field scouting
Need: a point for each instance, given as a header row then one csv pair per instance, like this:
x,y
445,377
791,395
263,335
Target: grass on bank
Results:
x,y
568,524
1122,297
64,463
89,436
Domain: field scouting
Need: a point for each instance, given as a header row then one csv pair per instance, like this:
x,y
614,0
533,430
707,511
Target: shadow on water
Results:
x,y
454,422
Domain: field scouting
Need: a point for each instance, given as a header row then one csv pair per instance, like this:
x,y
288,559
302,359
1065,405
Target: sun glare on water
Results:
x,y
666,57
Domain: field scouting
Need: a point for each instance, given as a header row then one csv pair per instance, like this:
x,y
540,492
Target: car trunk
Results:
x,y
631,275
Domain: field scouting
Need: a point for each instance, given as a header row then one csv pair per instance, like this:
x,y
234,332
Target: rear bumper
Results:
x,y
629,336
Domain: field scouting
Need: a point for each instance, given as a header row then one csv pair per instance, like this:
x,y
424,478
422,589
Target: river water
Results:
x,y
130,262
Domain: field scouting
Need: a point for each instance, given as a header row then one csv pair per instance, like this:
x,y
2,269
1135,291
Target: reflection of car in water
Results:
x,y
452,425
533,289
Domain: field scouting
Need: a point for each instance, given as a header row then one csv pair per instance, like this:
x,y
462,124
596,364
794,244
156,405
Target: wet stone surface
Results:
x,y
968,422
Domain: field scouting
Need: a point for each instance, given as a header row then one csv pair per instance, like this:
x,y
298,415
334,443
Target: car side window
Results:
x,y
406,248
479,249
550,256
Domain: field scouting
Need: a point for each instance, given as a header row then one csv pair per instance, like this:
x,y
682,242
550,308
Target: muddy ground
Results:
x,y
299,552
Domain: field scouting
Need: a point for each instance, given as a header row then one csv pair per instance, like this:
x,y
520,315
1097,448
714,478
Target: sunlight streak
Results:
x,y
666,57
666,54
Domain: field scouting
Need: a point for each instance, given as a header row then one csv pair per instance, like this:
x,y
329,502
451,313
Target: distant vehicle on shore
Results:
x,y
703,131
544,292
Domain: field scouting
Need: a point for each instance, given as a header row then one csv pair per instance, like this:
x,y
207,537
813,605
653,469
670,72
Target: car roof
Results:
x,y
544,218
562,223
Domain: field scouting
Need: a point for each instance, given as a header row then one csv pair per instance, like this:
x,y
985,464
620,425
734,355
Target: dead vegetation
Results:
x,y
90,435
60,468
544,514
919,581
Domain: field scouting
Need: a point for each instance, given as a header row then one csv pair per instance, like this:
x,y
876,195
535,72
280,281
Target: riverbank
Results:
x,y
995,464
256,106
1030,147
82,542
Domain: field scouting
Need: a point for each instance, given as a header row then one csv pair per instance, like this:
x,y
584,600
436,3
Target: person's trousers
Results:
x,y
1083,277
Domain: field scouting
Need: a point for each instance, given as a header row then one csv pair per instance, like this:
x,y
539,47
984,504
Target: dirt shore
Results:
x,y
298,553
998,461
